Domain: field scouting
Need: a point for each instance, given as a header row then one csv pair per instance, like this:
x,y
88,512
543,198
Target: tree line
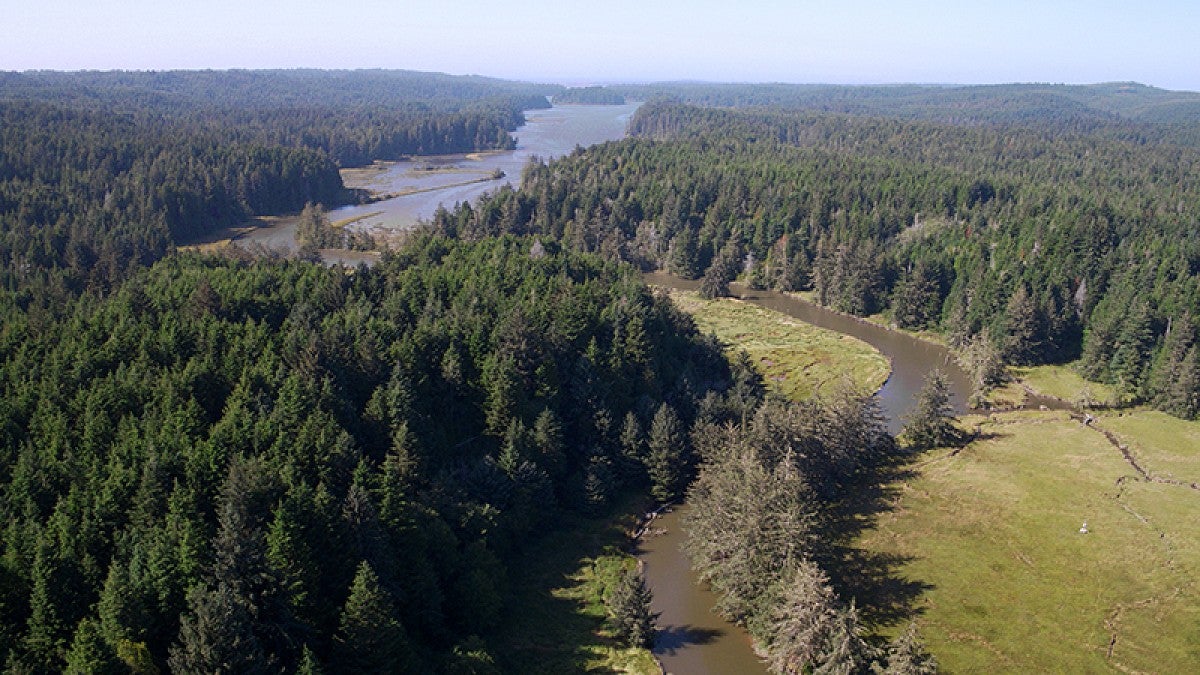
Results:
x,y
103,171
1118,108
1037,240
274,466
771,475
589,96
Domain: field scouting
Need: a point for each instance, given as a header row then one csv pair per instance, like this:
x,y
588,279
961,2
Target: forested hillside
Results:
x,y
589,96
99,171
1052,244
273,465
1096,106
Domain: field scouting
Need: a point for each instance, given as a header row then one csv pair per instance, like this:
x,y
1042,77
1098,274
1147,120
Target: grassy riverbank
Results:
x,y
993,528
796,358
1065,383
558,622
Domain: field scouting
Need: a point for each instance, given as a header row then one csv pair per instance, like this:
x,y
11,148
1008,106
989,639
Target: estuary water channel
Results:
x,y
415,187
693,639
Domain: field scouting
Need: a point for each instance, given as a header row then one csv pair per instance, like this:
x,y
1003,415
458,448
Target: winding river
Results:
x,y
694,640
419,185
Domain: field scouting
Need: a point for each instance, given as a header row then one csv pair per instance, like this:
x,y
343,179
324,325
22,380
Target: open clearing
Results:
x,y
796,358
1065,383
994,528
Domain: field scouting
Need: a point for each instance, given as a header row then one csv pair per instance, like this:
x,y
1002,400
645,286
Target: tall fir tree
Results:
x,y
906,655
629,610
217,635
931,422
665,459
370,639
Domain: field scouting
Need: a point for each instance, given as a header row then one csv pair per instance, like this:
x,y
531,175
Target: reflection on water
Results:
x,y
449,179
691,637
427,182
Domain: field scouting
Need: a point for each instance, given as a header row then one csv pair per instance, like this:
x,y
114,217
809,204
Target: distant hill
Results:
x,y
589,96
1072,105
266,88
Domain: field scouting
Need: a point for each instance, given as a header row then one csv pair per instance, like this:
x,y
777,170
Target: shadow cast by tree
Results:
x,y
670,639
883,594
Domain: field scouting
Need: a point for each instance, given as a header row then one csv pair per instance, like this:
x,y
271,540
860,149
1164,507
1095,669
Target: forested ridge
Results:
x,y
266,466
1079,107
589,96
1051,244
100,170
272,466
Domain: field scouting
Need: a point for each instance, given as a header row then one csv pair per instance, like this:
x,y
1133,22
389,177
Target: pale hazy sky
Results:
x,y
1156,42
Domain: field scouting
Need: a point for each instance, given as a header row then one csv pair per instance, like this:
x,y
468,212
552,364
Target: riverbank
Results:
x,y
992,530
218,239
1060,384
558,621
795,358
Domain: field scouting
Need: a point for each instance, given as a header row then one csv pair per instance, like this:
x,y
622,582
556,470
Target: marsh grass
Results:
x,y
796,358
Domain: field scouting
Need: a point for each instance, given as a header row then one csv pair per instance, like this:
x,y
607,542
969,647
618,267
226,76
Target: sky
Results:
x,y
1155,42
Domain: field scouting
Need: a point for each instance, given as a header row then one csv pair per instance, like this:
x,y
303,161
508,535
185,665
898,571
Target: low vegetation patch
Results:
x,y
1167,447
1064,382
796,358
558,624
997,530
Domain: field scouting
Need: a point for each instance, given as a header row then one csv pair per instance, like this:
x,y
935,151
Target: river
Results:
x,y
424,183
694,640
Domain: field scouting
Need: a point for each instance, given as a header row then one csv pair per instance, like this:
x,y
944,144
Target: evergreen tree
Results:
x,y
931,423
683,260
633,446
800,622
629,610
713,284
1132,350
750,519
845,651
982,361
90,653
1168,367
1025,329
796,274
906,655
665,459
309,665
1182,397
548,440
600,482
747,390
916,301
217,636
45,642
370,639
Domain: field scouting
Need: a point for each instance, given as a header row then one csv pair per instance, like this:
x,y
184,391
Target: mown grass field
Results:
x,y
796,358
1015,587
557,624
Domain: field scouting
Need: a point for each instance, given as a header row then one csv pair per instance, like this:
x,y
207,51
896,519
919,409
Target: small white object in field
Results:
x,y
1083,530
